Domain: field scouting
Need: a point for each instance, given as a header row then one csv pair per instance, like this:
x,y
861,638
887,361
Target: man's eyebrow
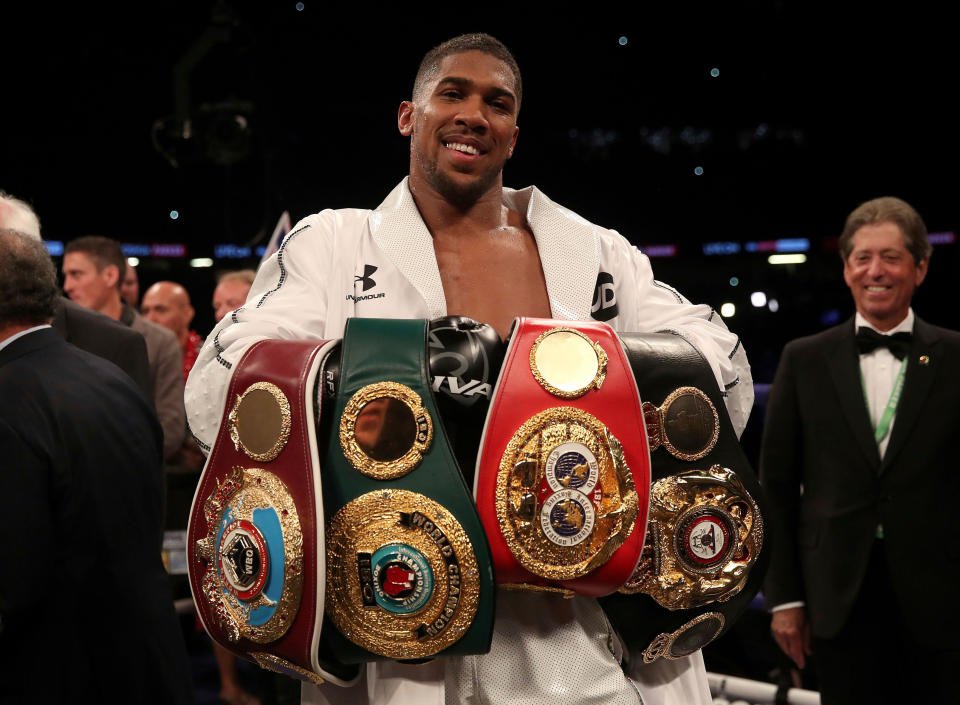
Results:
x,y
461,82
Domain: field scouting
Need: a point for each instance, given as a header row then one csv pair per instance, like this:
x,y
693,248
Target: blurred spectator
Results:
x,y
91,268
130,288
88,330
168,304
231,292
80,547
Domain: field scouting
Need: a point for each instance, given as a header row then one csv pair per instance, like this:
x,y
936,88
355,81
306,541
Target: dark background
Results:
x,y
812,113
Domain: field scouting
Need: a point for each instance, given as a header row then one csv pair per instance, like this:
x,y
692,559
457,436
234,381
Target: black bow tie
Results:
x,y
869,340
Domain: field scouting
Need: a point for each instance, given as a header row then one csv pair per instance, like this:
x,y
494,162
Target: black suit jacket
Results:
x,y
106,338
85,603
818,434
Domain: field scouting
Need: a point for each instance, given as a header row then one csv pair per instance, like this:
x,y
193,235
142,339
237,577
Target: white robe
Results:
x,y
338,264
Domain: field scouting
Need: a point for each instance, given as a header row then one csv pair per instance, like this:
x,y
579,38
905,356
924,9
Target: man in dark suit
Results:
x,y
859,463
85,608
88,330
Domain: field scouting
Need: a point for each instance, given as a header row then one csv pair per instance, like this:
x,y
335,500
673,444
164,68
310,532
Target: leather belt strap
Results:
x,y
702,562
564,469
255,550
409,570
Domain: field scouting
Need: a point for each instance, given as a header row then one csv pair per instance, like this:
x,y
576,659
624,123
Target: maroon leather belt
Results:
x,y
256,529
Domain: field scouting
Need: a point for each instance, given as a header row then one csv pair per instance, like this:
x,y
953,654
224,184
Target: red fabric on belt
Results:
x,y
518,397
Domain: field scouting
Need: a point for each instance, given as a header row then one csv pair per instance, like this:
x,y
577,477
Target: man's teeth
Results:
x,y
462,148
876,288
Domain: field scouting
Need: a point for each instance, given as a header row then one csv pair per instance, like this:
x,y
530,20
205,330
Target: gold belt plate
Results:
x,y
566,499
705,531
251,517
402,576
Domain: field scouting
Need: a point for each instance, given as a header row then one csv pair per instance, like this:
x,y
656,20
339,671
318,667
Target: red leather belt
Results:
x,y
564,469
256,536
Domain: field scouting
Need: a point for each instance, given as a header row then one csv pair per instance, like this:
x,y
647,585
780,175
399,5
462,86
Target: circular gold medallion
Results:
x,y
566,363
705,532
253,549
384,430
402,577
565,496
691,425
693,635
260,421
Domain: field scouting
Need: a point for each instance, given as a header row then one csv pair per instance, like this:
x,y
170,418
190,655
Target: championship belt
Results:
x,y
564,467
409,574
256,538
699,568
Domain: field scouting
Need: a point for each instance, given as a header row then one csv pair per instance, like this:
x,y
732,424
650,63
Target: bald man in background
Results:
x,y
167,304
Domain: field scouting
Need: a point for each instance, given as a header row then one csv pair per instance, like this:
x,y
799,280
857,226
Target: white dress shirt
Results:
x,y
880,369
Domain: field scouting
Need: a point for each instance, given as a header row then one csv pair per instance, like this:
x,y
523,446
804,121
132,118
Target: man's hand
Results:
x,y
792,631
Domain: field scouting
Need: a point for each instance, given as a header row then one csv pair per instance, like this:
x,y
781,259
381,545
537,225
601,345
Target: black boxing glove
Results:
x,y
464,360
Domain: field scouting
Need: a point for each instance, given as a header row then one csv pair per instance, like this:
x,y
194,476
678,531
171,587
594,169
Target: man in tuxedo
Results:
x,y
85,609
859,463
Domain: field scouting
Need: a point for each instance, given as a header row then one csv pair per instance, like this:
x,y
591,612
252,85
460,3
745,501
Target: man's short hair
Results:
x,y
18,215
466,42
888,209
28,280
241,275
103,251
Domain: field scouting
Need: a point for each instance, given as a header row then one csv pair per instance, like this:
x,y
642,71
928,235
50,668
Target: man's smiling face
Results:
x,y
463,127
882,274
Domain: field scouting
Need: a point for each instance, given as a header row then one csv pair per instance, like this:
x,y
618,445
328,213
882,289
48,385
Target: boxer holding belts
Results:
x,y
452,240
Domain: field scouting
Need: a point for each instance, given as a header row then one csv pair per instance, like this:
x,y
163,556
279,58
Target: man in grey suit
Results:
x,y
93,268
859,463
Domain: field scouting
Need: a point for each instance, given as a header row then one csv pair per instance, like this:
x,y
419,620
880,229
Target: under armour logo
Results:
x,y
368,283
604,299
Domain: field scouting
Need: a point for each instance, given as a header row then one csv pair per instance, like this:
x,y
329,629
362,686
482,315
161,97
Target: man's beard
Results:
x,y
460,195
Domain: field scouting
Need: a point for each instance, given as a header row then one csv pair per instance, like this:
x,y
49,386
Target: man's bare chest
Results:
x,y
494,280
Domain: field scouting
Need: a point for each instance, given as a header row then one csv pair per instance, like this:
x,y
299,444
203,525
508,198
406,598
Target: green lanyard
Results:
x,y
883,426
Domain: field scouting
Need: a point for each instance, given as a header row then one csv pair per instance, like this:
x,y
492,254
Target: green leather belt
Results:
x,y
409,573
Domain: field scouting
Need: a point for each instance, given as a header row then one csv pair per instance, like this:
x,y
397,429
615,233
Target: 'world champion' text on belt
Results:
x,y
419,521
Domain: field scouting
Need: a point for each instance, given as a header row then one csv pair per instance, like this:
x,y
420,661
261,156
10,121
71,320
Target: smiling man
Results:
x,y
856,458
452,240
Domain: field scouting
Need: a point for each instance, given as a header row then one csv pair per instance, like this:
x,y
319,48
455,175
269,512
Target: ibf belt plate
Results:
x,y
402,577
566,500
253,582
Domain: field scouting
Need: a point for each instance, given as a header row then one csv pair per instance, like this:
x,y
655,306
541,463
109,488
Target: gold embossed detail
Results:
x,y
241,492
668,570
526,502
393,517
279,665
259,421
567,363
700,631
689,424
370,425
533,587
